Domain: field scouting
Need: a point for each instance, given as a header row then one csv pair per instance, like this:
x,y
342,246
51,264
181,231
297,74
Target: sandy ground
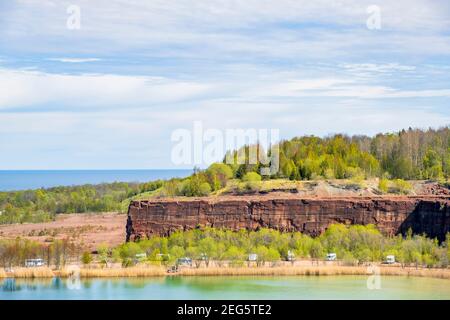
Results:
x,y
88,230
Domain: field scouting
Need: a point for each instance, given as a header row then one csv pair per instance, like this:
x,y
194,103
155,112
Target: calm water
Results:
x,y
33,179
326,287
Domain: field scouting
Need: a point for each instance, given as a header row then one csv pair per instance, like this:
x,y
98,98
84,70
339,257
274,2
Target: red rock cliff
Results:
x,y
428,214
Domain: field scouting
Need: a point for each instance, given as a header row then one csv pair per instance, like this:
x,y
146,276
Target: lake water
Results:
x,y
324,287
33,179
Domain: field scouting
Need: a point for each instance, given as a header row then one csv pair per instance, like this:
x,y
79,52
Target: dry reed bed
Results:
x,y
115,272
43,272
315,271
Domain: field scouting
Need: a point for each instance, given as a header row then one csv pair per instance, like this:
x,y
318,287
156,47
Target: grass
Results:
x,y
141,196
237,186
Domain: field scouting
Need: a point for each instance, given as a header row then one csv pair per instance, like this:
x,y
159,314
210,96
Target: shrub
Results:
x,y
383,185
86,258
205,189
402,186
251,177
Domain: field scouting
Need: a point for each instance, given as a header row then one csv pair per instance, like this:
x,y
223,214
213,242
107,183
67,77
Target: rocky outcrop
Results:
x,y
392,215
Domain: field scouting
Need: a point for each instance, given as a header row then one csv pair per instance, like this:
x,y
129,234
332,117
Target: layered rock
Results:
x,y
392,215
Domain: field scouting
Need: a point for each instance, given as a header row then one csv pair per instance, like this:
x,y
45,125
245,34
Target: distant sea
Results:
x,y
34,179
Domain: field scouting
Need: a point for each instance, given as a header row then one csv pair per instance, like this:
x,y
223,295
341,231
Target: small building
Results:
x,y
390,259
29,263
252,257
331,256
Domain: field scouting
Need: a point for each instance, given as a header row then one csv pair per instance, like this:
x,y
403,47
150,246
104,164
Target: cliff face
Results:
x,y
392,215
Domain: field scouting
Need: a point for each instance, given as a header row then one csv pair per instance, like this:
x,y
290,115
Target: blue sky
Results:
x,y
110,94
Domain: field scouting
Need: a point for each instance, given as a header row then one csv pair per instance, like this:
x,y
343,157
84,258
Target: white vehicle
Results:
x,y
390,259
331,256
252,257
34,263
290,256
140,256
187,262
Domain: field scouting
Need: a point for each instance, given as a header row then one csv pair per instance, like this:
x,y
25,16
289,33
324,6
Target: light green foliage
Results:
x,y
218,175
15,252
42,204
251,177
86,258
252,181
408,154
402,186
383,185
103,253
352,244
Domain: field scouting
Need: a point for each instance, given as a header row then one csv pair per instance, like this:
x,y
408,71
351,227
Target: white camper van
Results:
x,y
390,259
331,256
34,263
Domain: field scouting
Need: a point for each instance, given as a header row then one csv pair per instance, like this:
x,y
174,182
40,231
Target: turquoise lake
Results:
x,y
325,287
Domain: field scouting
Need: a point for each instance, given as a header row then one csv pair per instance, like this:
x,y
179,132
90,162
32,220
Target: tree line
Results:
x,y
42,205
354,244
408,154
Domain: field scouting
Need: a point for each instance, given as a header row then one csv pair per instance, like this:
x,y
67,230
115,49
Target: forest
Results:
x,y
393,157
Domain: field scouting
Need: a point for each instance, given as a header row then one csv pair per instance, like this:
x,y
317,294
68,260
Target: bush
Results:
x,y
205,189
251,177
383,185
402,186
86,258
218,174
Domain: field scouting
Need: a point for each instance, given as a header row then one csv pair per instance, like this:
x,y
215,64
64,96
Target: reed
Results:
x,y
156,271
40,272
314,271
275,271
413,272
116,272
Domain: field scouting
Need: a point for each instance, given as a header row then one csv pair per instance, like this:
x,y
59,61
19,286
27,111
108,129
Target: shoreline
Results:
x,y
44,272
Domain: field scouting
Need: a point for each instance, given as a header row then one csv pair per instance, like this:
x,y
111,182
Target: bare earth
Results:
x,y
88,230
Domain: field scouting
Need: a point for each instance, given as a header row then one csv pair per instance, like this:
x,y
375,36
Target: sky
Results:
x,y
109,94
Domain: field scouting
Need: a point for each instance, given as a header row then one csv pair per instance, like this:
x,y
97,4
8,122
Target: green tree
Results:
x,y
86,258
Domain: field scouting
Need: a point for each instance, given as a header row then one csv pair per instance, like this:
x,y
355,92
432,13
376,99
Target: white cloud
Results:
x,y
306,67
74,60
378,68
219,28
32,88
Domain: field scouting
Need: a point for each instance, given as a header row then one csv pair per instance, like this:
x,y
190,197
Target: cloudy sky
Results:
x,y
109,94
